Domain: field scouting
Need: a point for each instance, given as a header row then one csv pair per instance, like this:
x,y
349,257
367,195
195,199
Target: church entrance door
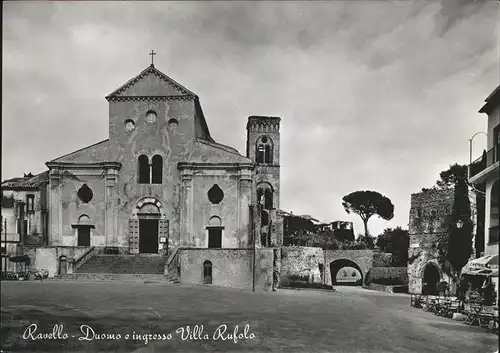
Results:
x,y
148,236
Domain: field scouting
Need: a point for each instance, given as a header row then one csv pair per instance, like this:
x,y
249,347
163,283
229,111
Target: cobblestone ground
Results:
x,y
349,320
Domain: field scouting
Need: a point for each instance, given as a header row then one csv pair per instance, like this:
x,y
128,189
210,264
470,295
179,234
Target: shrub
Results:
x,y
489,294
442,287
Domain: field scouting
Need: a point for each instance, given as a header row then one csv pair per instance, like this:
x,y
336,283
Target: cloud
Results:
x,y
372,95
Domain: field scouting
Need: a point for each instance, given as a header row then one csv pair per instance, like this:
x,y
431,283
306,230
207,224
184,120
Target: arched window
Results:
x,y
157,169
207,272
143,167
260,154
269,154
264,150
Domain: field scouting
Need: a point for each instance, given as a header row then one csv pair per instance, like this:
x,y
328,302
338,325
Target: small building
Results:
x,y
24,215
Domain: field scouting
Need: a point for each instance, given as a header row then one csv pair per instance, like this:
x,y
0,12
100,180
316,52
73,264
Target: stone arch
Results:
x,y
84,220
215,221
265,194
338,264
149,205
431,274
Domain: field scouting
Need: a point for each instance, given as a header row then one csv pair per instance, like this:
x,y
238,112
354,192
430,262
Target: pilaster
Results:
x,y
186,207
111,207
245,194
55,207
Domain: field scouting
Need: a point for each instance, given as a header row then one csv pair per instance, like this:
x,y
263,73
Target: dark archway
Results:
x,y
431,278
207,272
63,265
337,265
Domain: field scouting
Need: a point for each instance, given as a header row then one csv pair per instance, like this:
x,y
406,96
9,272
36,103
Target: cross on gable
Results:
x,y
152,56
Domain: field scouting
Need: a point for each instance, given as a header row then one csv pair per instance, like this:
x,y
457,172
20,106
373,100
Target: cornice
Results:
x,y
149,98
69,165
197,166
151,70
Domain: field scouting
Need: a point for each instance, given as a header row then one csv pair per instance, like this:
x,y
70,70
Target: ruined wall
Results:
x,y
430,214
301,261
230,267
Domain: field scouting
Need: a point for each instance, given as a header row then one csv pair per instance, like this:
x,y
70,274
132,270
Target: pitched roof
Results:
x,y
492,101
151,70
27,182
93,153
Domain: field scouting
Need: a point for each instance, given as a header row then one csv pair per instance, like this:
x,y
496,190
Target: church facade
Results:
x,y
160,185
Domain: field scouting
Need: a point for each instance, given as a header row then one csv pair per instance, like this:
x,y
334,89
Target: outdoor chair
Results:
x,y
473,314
452,308
486,315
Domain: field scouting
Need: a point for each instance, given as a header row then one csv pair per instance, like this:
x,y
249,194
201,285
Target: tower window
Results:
x,y
264,151
143,166
157,169
265,196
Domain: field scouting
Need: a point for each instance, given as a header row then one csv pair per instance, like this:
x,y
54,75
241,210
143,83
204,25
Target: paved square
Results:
x,y
350,320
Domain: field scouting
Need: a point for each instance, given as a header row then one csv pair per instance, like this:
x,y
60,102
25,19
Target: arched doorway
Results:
x,y
63,265
207,272
149,217
337,265
431,278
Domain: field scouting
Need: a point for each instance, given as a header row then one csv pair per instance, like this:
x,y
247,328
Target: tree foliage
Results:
x,y
368,203
395,241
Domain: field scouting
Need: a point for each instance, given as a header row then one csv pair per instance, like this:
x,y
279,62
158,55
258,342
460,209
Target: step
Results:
x,y
124,264
104,277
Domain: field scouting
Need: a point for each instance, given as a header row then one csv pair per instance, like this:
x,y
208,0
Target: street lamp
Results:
x,y
470,144
460,224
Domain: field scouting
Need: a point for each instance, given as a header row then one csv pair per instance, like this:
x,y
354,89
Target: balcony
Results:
x,y
493,235
480,169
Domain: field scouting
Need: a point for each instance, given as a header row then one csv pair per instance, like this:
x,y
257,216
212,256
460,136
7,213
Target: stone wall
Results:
x,y
230,267
430,214
47,257
301,261
388,273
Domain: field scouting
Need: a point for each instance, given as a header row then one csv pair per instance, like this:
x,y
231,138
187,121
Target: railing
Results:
x,y
486,160
79,262
172,264
493,235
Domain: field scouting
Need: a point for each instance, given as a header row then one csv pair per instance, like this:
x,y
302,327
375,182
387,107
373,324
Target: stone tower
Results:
x,y
263,148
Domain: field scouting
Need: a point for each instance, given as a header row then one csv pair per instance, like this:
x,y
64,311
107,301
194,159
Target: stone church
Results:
x,y
161,186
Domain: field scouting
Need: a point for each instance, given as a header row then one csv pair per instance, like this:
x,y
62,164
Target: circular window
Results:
x,y
215,194
264,139
172,124
85,194
129,124
150,116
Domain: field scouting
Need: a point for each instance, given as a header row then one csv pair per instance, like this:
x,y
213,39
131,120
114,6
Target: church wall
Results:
x,y
230,267
73,207
235,233
172,142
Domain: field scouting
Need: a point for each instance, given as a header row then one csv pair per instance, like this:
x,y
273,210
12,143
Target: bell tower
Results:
x,y
263,148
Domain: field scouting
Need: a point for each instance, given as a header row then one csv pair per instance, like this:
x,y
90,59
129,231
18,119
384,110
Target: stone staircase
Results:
x,y
124,268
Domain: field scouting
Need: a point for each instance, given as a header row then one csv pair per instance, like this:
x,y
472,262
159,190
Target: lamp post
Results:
x,y
470,144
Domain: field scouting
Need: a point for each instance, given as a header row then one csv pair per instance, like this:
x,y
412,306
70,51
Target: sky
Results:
x,y
373,95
